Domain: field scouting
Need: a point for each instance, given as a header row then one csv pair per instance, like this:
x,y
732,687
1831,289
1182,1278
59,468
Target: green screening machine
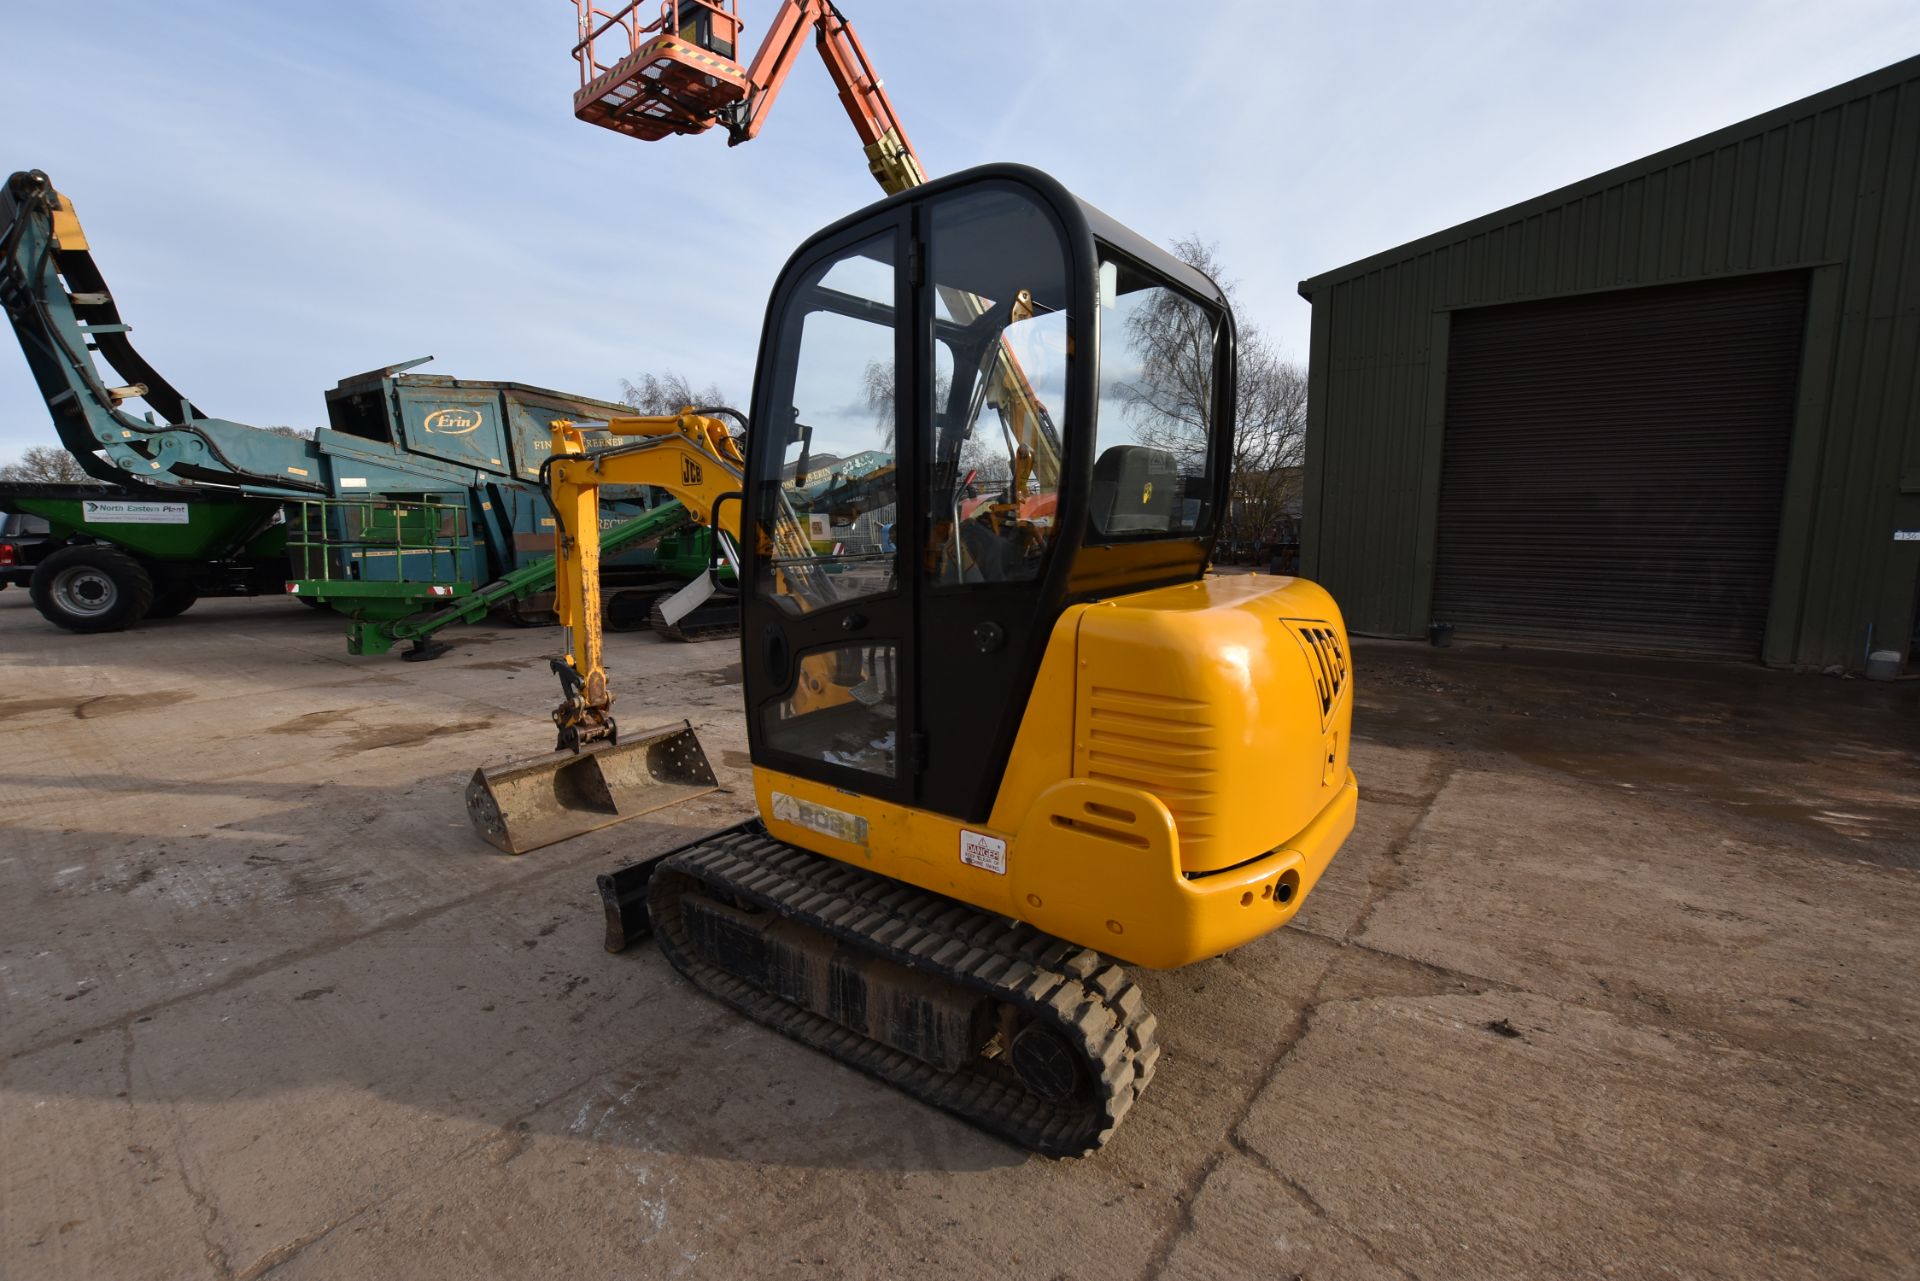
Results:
x,y
418,505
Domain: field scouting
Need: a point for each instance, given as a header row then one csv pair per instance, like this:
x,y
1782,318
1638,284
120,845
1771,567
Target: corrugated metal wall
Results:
x,y
1826,185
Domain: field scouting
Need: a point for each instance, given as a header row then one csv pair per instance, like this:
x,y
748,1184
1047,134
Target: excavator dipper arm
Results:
x,y
593,779
689,455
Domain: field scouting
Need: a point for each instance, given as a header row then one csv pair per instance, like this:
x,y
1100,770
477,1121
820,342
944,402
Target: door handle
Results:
x,y
853,622
775,655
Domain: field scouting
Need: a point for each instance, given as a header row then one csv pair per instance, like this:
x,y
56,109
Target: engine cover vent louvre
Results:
x,y
1162,744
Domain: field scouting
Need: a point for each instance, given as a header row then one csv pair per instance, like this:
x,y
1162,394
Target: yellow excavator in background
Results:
x,y
592,780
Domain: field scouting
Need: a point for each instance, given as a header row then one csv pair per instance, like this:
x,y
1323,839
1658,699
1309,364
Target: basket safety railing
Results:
x,y
380,540
712,24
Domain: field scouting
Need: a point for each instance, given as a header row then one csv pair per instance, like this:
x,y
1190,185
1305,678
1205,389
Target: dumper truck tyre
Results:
x,y
92,588
174,593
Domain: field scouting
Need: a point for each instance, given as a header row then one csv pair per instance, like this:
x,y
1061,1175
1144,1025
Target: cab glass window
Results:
x,y
825,509
1158,414
844,709
997,266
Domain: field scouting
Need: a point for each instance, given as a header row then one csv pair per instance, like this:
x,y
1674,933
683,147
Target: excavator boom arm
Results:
x,y
690,456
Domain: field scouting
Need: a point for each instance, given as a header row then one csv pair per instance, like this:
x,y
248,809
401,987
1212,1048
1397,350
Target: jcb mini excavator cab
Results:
x,y
1041,703
1005,731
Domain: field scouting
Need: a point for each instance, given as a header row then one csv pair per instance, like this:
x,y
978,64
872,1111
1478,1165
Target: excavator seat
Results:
x,y
1134,490
672,75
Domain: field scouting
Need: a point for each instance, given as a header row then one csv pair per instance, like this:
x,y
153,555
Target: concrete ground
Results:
x,y
1616,978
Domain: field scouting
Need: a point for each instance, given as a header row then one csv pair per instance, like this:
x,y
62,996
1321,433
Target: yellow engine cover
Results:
x,y
1226,699
1179,782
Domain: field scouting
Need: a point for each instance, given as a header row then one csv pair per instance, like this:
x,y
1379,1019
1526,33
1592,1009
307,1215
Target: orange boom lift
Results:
x,y
677,73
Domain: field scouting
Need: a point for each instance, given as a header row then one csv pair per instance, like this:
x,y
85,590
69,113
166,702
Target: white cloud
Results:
x,y
283,196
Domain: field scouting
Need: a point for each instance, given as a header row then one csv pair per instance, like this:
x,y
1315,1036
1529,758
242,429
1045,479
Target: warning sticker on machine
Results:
x,y
96,512
989,853
824,819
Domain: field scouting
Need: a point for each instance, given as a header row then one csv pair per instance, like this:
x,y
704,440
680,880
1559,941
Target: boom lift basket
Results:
x,y
671,75
528,804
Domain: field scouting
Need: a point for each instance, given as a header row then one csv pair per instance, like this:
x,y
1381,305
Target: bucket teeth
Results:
x,y
527,804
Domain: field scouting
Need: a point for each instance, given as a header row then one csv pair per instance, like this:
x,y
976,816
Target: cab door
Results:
x,y
826,618
994,430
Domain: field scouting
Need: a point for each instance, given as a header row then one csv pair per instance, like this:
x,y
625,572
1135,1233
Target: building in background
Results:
x,y
1672,408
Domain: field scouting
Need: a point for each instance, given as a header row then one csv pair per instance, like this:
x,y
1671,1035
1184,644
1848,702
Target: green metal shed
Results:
x,y
1673,407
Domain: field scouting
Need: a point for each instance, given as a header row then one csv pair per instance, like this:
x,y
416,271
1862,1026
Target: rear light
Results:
x,y
6,554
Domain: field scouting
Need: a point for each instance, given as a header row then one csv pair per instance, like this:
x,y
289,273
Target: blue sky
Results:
x,y
283,195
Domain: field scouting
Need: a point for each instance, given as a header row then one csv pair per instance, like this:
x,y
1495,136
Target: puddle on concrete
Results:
x,y
373,737
96,706
12,707
118,704
310,722
357,737
1824,758
1852,808
504,664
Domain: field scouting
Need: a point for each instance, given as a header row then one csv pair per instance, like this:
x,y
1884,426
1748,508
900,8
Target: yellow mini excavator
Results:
x,y
1006,733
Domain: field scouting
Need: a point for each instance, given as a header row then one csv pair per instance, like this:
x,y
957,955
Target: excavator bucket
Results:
x,y
528,804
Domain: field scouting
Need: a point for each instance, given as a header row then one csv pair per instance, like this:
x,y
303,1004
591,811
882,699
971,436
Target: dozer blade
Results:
x,y
528,804
677,606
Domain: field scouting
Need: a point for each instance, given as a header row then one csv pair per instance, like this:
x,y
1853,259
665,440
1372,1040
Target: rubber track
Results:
x,y
1091,1004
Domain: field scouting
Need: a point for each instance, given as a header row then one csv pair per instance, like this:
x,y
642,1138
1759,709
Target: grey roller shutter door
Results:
x,y
1614,463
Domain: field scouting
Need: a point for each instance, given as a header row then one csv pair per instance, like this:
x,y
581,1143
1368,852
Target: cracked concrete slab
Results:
x,y
1250,1221
268,1009
1644,909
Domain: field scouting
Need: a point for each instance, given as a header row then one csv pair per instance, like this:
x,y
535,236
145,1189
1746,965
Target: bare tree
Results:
x,y
1172,399
876,385
296,433
669,393
45,464
1270,436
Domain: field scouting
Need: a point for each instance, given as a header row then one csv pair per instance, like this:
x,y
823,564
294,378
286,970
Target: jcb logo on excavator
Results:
x,y
452,422
690,473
